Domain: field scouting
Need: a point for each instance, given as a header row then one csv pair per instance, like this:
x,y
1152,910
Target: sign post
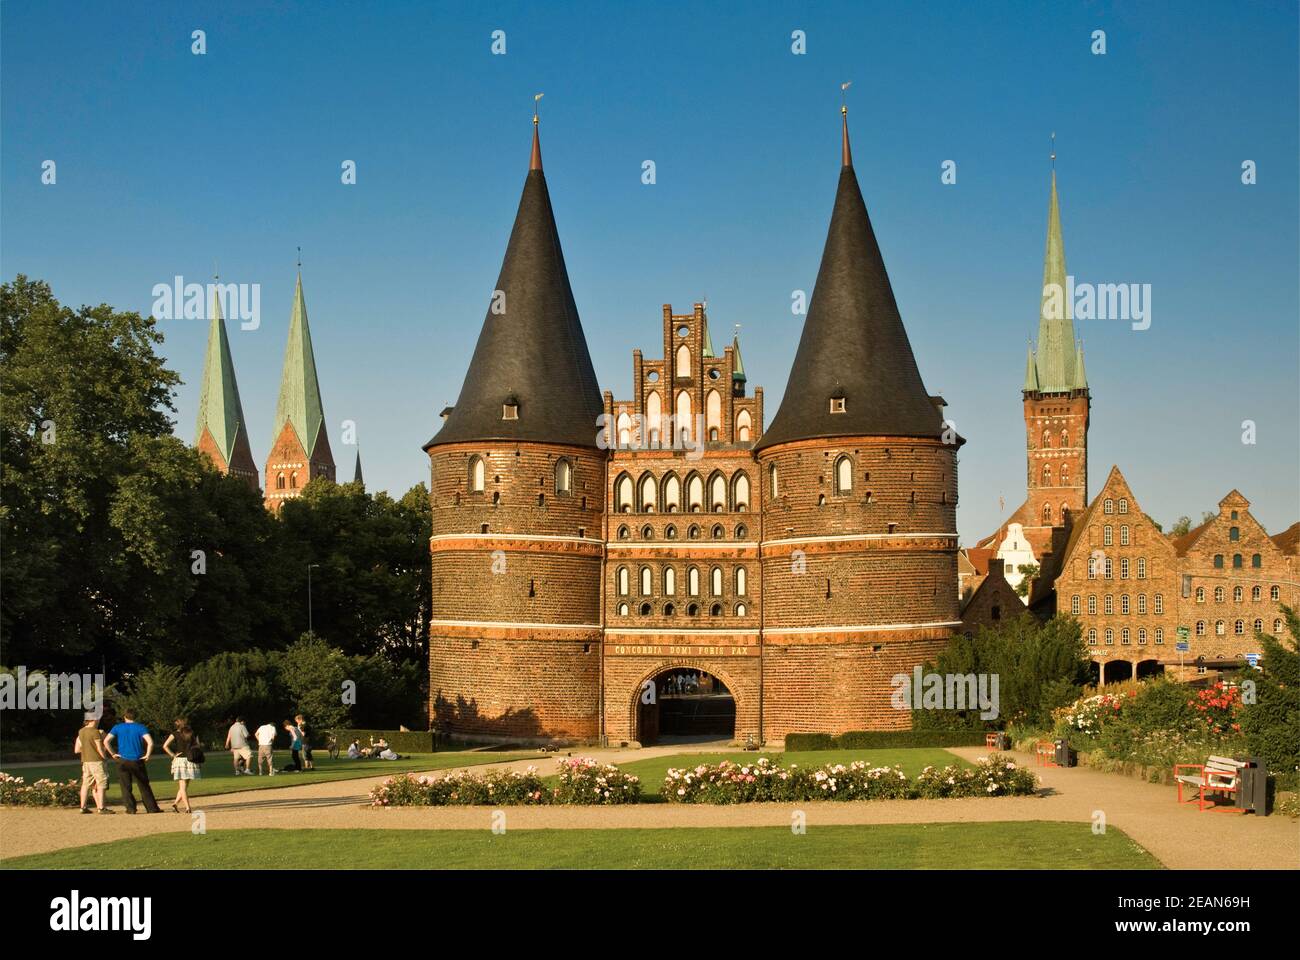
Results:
x,y
1182,646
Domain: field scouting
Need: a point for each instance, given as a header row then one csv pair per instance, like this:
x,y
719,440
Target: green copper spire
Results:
x,y
738,373
1055,353
220,411
1080,377
300,402
708,340
1031,373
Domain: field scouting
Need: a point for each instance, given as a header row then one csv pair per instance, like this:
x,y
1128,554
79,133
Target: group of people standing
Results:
x,y
130,745
241,751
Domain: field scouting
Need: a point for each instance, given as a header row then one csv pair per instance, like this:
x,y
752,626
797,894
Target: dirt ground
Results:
x,y
1180,837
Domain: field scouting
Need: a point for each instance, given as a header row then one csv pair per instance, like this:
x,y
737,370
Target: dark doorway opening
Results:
x,y
685,705
1117,671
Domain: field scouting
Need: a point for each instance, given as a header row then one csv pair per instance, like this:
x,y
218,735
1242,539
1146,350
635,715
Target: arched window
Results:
x,y
684,421
1123,604
713,414
1075,605
1142,636
1275,593
683,361
279,482
1256,560
741,610
1238,595
564,477
647,582
1277,625
624,533
1123,504
1123,535
1110,636
743,426
293,481
715,610
622,582
773,486
1092,604
1219,628
1047,514
1259,626
693,533
624,430
718,532
670,582
1108,506
1125,636
1160,634
647,532
654,415
623,494
742,578
1109,606
1218,594
669,609
645,609
1218,561
717,493
1200,594
1200,628
1107,535
695,493
1142,568
1092,636
742,531
1236,561
672,493
670,532
1065,438
1239,627
1160,603
1234,533
649,494
1047,474
715,581
844,475
740,491
1142,603
693,581
1047,439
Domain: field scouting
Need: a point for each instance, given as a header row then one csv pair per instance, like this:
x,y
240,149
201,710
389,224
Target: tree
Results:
x,y
158,697
1182,526
1272,723
313,673
1028,574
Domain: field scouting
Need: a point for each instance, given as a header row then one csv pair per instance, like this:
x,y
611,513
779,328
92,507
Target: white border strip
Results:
x,y
858,536
514,626
874,628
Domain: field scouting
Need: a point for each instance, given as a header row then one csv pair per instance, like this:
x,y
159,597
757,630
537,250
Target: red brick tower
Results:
x,y
221,432
859,500
301,450
517,487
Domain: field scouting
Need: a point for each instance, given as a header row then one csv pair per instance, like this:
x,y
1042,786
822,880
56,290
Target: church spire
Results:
x,y
221,431
356,473
1031,373
299,403
853,341
531,348
1055,351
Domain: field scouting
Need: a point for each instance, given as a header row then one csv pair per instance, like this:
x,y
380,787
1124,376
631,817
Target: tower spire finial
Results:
x,y
535,161
1053,156
846,155
300,259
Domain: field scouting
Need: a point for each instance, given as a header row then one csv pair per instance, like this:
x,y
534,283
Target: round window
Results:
x,y
714,374
683,330
653,376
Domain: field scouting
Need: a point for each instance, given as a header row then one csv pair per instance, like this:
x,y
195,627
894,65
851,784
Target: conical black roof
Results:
x,y
853,344
533,350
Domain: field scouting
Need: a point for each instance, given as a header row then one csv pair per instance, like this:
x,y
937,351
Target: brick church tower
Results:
x,y
1056,405
221,432
301,450
517,490
859,498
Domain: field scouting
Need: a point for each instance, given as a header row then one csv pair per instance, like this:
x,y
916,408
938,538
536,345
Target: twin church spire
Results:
x,y
1056,366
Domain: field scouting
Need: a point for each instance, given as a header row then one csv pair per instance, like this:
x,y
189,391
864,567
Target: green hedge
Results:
x,y
402,741
883,739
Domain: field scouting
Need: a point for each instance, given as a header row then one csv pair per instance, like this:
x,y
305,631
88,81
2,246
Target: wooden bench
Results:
x,y
991,740
1045,753
1218,775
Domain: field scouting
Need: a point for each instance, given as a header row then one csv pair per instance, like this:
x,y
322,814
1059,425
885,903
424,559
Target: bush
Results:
x,y
158,696
462,788
1271,724
14,791
585,781
768,781
883,740
809,741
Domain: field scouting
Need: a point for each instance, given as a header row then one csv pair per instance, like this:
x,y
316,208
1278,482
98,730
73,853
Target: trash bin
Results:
x,y
1065,757
1002,742
1252,788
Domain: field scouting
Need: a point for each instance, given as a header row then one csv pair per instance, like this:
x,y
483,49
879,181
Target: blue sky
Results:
x,y
169,161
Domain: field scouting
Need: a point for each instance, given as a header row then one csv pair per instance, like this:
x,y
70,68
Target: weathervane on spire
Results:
x,y
300,259
536,97
1053,157
844,105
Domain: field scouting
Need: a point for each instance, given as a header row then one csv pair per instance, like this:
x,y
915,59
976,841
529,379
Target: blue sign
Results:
x,y
1182,646
1252,659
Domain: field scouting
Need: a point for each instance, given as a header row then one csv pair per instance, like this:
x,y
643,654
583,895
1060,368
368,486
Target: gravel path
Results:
x,y
1180,837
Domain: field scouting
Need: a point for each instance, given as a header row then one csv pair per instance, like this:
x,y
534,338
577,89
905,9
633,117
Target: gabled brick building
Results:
x,y
585,548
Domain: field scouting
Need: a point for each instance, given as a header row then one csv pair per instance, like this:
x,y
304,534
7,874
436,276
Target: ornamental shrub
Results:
x,y
584,780
16,792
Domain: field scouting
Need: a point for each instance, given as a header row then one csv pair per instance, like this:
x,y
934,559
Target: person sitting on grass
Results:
x,y
384,752
354,750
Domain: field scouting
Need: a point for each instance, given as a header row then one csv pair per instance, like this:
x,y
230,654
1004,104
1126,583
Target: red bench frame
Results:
x,y
1045,754
1207,785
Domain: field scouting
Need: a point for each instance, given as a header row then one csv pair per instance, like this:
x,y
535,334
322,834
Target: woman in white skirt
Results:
x,y
178,746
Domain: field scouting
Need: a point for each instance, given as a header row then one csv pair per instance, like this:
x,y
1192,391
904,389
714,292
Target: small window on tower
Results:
x,y
510,408
837,404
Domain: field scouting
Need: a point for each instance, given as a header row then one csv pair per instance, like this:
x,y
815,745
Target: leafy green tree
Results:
x,y
1028,574
159,697
1272,724
313,674
228,685
389,695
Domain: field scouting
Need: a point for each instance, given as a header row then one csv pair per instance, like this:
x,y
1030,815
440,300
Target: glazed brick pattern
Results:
x,y
835,688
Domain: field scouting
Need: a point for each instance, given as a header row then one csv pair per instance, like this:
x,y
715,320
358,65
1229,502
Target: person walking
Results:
x,y
237,744
307,762
295,745
90,744
185,766
131,745
266,748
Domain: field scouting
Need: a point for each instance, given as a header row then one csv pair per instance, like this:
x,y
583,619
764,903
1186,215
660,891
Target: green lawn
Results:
x,y
219,778
911,759
939,846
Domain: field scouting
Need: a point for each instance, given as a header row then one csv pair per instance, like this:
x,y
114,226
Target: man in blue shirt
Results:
x,y
131,746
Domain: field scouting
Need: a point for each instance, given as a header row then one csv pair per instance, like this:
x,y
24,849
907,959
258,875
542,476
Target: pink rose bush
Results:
x,y
584,780
16,792
765,780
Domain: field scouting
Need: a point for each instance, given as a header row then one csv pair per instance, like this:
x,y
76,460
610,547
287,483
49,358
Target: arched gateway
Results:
x,y
683,703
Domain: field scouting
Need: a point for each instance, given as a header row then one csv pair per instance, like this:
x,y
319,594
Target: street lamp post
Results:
x,y
310,566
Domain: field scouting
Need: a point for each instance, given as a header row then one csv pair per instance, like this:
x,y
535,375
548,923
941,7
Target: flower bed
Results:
x,y
584,780
16,792
765,780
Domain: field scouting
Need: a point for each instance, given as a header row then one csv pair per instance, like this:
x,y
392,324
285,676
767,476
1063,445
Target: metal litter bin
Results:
x,y
1065,757
1002,742
1252,786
